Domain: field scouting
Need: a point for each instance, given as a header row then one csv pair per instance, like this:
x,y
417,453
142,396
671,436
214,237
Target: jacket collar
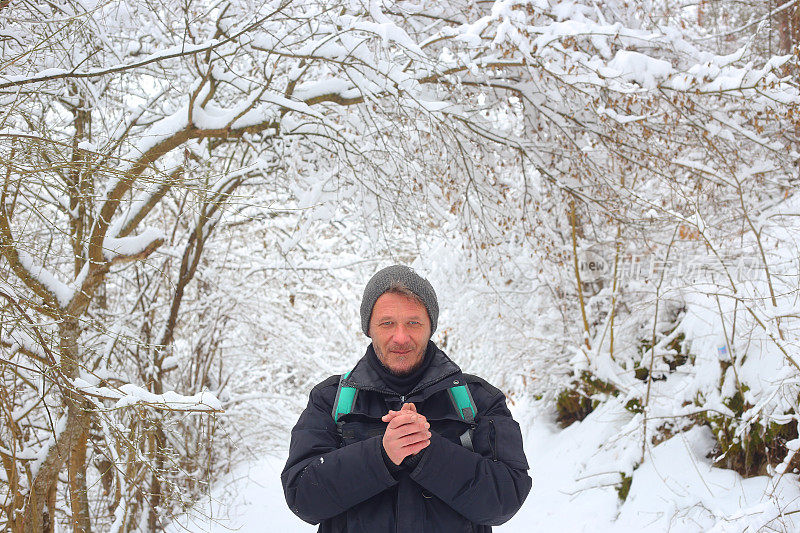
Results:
x,y
434,379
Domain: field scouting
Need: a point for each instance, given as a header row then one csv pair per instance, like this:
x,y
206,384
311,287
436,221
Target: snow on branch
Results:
x,y
157,134
178,50
50,74
131,248
612,55
18,340
37,275
140,206
42,282
129,394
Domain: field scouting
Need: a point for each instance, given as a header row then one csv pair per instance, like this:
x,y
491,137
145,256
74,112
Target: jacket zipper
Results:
x,y
493,439
416,389
397,511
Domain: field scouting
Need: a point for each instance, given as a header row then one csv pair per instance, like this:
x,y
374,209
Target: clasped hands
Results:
x,y
407,433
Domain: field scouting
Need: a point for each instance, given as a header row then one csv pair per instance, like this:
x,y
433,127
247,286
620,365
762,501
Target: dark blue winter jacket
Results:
x,y
345,485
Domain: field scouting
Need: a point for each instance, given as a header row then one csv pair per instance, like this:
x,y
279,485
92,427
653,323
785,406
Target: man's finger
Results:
x,y
405,430
402,419
404,410
391,415
414,449
414,438
399,432
409,407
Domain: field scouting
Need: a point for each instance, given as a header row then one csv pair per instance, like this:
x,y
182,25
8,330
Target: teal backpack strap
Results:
x,y
345,399
465,407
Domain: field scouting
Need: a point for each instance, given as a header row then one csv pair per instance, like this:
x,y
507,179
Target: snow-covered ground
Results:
x,y
675,488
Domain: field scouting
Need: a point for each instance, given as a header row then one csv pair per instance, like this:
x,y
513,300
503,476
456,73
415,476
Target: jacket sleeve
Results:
x,y
489,485
320,479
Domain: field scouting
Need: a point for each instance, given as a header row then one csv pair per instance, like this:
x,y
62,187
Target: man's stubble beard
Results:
x,y
411,370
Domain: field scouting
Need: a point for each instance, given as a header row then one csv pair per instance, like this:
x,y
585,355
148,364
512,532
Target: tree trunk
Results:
x,y
73,437
157,442
49,520
79,498
788,40
788,29
576,231
42,493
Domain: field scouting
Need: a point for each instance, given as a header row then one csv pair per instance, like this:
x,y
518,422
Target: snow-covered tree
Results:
x,y
182,176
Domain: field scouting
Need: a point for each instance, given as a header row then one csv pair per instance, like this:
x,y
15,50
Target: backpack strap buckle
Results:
x,y
344,401
462,400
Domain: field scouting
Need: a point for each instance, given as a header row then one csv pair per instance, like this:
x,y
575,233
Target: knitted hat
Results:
x,y
402,275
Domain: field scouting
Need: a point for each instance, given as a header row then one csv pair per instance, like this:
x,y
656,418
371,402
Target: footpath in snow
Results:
x,y
575,484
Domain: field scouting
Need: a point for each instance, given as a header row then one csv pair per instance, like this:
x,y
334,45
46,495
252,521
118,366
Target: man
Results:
x,y
402,457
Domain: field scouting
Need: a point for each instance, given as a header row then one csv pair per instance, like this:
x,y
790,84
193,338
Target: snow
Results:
x,y
112,247
307,91
644,70
130,246
40,455
622,119
62,291
589,62
244,500
158,132
202,401
20,339
8,290
167,53
129,394
576,477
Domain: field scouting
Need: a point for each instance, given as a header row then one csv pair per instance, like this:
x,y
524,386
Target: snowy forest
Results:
x,y
603,194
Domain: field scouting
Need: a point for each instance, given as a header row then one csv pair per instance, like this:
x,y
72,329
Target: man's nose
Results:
x,y
401,335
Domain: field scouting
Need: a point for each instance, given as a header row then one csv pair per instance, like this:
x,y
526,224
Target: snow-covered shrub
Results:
x,y
584,393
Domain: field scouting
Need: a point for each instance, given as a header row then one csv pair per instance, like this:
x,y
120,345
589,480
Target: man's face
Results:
x,y
400,329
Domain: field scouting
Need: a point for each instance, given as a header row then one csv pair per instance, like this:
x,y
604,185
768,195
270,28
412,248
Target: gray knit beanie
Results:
x,y
402,275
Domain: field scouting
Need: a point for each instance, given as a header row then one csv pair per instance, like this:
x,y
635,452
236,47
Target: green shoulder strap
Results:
x,y
465,407
345,398
459,395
